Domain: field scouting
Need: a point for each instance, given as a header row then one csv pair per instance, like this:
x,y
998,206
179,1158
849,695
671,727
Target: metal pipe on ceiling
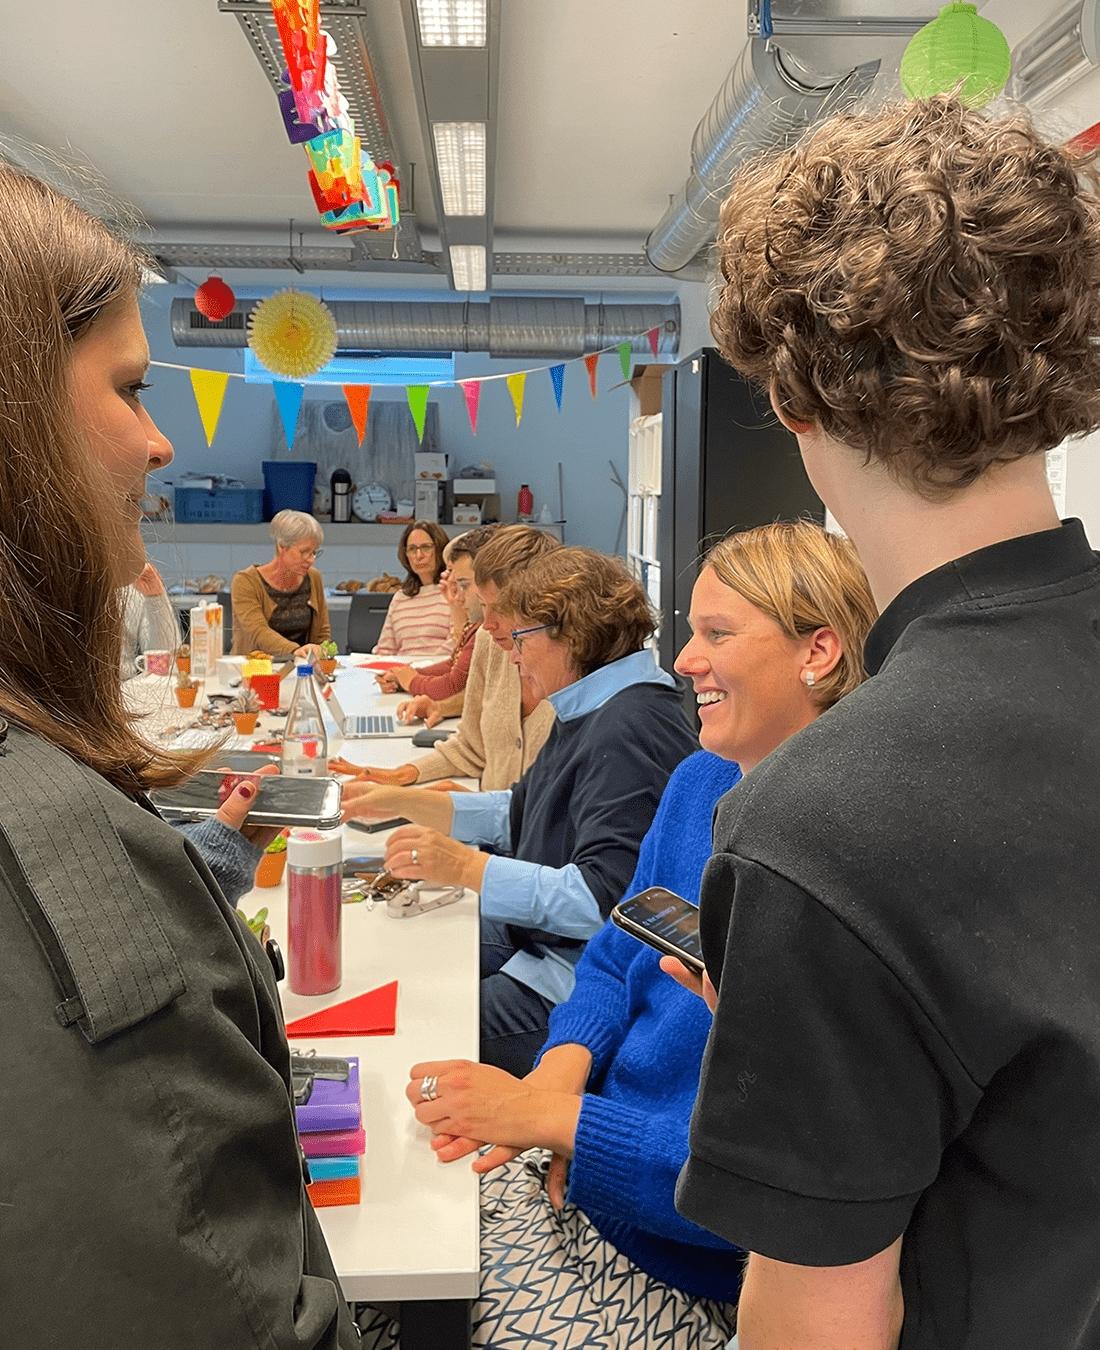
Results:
x,y
505,326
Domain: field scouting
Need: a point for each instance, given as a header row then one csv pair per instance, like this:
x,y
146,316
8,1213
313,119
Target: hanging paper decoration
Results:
x,y
591,361
289,400
292,333
654,336
417,395
624,359
557,379
958,51
471,391
209,389
358,401
214,300
516,384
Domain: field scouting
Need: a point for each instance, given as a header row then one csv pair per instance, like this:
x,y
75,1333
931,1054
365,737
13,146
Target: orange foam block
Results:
x,y
347,1191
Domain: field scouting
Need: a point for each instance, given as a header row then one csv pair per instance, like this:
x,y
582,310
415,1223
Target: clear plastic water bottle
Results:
x,y
305,741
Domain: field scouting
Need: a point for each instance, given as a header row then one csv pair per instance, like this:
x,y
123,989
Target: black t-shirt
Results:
x,y
903,917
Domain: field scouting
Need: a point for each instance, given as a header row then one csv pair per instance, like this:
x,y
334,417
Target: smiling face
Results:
x,y
748,675
421,553
106,377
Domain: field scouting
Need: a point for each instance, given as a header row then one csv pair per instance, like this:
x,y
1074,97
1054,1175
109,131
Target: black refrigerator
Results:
x,y
727,463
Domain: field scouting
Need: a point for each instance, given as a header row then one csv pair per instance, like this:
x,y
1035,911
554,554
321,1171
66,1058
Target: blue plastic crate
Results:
x,y
223,506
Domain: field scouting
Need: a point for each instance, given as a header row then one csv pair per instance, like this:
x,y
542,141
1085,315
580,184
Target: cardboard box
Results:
x,y
427,501
473,487
430,465
646,384
467,513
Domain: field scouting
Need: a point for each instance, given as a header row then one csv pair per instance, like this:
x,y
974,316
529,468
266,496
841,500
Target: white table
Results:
x,y
414,1237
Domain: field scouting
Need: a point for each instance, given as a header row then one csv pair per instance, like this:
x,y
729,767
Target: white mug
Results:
x,y
154,663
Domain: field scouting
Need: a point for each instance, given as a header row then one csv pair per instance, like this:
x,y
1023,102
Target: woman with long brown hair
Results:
x,y
419,616
150,1178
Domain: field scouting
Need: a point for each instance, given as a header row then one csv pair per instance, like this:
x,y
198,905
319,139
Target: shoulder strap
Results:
x,y
77,876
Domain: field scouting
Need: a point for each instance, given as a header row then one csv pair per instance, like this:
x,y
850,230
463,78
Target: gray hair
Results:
x,y
291,527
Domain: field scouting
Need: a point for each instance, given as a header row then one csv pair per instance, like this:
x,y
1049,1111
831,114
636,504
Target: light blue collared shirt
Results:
x,y
527,894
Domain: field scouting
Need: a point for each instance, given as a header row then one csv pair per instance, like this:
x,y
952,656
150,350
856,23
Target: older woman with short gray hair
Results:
x,y
279,606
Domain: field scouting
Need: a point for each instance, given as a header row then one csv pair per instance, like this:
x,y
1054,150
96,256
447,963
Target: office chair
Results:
x,y
366,618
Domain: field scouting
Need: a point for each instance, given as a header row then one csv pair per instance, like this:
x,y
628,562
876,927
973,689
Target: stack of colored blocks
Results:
x,y
330,1124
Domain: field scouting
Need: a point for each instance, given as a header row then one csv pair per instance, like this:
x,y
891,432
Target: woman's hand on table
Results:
x,y
367,801
403,776
478,1101
233,812
699,985
416,853
392,681
309,651
420,708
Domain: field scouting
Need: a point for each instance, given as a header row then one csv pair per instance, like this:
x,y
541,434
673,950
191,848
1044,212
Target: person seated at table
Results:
x,y
567,834
447,679
504,722
149,621
419,617
279,606
586,1228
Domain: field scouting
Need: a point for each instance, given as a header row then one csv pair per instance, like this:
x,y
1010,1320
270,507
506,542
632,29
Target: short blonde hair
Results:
x,y
291,527
511,549
804,578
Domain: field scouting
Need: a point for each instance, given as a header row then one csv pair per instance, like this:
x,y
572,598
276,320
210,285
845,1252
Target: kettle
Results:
x,y
341,485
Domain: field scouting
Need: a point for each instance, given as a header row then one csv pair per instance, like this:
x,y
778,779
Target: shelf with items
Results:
x,y
354,533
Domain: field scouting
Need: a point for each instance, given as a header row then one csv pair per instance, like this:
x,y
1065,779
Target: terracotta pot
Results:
x,y
186,697
327,665
269,871
245,722
183,665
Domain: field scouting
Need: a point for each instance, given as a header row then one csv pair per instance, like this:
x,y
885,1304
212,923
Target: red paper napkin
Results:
x,y
371,1014
380,663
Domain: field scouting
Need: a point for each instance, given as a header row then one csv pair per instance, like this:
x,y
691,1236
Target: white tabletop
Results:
x,y
415,1234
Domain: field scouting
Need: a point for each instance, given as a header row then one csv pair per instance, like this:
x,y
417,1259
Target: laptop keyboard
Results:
x,y
371,724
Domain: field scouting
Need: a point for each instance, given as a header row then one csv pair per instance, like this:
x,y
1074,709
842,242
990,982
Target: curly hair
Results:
x,y
586,599
511,549
922,282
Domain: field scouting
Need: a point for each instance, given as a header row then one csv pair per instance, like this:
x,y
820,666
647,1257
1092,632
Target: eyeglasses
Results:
x,y
518,634
419,548
309,554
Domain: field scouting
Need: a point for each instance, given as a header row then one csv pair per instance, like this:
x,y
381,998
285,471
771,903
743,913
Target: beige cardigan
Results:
x,y
494,742
253,606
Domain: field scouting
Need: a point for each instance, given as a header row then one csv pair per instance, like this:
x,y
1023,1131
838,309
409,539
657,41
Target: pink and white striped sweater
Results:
x,y
416,624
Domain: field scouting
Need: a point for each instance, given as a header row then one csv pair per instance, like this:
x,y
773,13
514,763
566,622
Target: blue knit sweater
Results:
x,y
647,1036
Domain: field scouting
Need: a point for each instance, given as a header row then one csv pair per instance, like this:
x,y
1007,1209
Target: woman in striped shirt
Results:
x,y
419,617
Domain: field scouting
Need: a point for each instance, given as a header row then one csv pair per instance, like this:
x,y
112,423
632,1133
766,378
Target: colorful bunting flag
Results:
x,y
516,385
591,362
209,389
417,395
358,401
654,336
624,359
289,398
471,391
557,379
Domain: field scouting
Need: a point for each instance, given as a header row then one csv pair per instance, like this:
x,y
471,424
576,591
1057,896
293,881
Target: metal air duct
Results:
x,y
766,102
507,326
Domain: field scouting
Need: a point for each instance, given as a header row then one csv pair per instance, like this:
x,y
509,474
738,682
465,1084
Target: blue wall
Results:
x,y
583,436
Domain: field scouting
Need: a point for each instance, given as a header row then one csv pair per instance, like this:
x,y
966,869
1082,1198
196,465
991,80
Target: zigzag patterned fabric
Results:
x,y
549,1281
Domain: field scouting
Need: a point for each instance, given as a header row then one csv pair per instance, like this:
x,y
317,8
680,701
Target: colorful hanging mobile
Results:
x,y
958,51
214,300
292,333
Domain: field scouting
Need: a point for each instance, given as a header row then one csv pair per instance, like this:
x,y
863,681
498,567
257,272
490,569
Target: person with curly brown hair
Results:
x,y
899,1112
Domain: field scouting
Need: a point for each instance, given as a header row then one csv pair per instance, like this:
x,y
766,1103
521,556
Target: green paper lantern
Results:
x,y
958,51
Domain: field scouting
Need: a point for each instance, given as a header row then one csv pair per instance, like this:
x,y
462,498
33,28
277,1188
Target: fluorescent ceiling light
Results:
x,y
451,23
1057,54
468,266
460,163
151,278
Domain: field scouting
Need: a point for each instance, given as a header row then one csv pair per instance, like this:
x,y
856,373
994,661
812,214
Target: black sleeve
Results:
x,y
827,1096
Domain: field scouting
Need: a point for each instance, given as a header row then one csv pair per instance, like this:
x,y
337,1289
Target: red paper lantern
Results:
x,y
214,300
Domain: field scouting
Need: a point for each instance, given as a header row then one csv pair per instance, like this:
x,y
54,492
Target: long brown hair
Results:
x,y
60,607
411,584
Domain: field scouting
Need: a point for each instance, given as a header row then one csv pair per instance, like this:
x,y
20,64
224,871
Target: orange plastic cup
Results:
x,y
186,697
245,722
266,689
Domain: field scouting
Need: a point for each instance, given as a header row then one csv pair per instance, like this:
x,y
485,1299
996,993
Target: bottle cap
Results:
x,y
314,848
304,668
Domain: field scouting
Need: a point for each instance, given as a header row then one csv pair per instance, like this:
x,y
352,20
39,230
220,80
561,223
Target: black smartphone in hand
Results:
x,y
665,921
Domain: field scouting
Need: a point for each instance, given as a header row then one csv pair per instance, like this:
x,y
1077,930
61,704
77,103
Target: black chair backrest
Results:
x,y
366,618
225,599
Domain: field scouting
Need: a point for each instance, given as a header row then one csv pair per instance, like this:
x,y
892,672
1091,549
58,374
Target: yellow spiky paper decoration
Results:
x,y
292,333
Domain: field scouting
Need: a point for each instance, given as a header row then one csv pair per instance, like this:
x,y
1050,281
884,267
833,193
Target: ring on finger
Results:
x,y
415,857
429,1087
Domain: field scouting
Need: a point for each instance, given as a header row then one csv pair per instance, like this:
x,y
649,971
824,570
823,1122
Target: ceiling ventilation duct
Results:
x,y
508,326
766,102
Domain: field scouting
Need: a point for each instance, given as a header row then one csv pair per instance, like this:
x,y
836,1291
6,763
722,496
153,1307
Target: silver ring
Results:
x,y
429,1088
415,857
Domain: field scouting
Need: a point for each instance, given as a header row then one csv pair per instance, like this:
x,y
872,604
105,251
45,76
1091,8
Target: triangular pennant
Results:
x,y
471,391
624,359
654,336
371,1014
516,385
289,398
590,362
417,394
557,379
358,401
209,388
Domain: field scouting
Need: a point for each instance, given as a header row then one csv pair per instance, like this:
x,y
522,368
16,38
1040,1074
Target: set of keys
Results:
x,y
306,1066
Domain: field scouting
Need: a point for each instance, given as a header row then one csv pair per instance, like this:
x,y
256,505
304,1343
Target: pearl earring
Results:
x,y
810,679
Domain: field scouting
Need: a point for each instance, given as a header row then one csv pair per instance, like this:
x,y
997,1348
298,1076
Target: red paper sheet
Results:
x,y
371,1014
380,663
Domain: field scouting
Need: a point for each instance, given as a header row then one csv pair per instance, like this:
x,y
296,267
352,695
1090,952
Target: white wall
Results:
x,y
1083,484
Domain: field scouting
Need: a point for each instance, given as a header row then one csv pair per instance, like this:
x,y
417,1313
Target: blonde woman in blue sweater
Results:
x,y
581,1244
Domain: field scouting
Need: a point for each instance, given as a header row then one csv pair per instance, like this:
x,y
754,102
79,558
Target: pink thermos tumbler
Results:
x,y
314,866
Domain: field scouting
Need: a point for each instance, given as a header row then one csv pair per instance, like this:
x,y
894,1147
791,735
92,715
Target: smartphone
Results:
x,y
664,920
281,800
377,826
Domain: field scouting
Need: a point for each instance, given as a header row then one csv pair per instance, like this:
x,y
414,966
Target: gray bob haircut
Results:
x,y
291,527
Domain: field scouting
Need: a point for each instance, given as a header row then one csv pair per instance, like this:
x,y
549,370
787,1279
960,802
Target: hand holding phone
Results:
x,y
663,920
